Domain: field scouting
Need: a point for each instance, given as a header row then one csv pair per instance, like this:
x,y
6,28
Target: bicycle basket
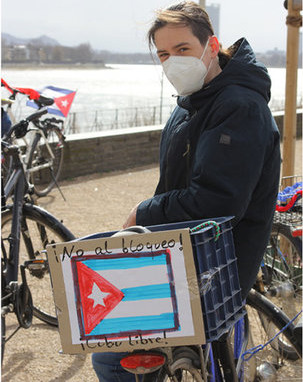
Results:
x,y
217,273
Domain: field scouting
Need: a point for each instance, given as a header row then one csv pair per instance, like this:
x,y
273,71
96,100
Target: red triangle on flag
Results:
x,y
64,103
98,296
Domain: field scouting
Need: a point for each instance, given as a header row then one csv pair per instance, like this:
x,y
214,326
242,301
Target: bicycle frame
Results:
x,y
16,296
27,144
17,182
19,185
39,131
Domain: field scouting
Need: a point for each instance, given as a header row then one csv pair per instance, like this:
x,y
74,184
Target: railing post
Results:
x,y
154,115
116,118
96,121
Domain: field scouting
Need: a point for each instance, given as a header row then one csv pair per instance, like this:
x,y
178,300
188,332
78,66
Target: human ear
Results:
x,y
214,45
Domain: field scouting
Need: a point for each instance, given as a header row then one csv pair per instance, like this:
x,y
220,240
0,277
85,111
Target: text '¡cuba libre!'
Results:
x,y
132,342
132,247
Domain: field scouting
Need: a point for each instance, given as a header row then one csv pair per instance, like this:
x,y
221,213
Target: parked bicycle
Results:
x,y
42,146
228,359
282,262
254,348
26,229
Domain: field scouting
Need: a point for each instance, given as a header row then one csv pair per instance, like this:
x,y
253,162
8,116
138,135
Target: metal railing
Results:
x,y
110,119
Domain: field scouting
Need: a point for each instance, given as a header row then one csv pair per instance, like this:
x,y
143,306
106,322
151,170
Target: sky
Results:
x,y
121,25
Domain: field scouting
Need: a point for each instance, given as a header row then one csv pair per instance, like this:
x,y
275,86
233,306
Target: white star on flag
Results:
x,y
64,103
97,295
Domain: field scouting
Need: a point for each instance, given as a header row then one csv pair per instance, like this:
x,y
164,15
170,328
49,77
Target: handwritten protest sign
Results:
x,y
127,292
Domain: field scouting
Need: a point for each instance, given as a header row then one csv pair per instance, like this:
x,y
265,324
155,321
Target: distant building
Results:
x,y
19,53
213,11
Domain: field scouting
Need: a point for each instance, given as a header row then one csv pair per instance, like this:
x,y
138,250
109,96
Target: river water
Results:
x,y
120,87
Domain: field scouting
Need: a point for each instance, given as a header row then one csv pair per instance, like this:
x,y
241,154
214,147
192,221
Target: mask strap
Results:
x,y
204,50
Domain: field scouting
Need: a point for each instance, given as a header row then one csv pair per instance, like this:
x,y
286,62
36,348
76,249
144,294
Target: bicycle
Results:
x,y
281,276
26,230
223,357
43,153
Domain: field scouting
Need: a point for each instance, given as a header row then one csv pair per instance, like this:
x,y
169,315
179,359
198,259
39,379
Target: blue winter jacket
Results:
x,y
220,156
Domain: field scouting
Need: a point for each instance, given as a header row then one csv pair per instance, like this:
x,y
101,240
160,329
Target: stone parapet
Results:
x,y
114,150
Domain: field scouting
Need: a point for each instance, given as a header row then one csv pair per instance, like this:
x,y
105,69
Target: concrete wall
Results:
x,y
279,118
120,149
110,150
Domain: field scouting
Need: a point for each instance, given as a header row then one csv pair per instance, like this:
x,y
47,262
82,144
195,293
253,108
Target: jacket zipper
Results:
x,y
187,154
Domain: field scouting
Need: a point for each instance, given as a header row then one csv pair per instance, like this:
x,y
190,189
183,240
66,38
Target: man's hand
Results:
x,y
131,220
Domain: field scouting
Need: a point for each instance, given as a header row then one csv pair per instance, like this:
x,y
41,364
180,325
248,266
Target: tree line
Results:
x,y
59,54
84,54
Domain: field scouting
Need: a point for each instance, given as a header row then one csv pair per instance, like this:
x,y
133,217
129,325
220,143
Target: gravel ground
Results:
x,y
93,204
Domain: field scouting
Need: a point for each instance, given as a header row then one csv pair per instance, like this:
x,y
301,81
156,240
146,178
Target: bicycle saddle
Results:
x,y
132,230
44,101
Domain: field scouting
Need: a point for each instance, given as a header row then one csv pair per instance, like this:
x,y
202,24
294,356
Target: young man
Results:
x,y
219,152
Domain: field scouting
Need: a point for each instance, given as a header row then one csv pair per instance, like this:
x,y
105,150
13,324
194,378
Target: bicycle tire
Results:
x,y
39,281
241,339
3,337
184,367
44,171
282,269
266,320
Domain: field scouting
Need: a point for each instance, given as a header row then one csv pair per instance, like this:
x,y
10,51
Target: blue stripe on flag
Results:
x,y
55,111
146,292
125,263
128,324
59,90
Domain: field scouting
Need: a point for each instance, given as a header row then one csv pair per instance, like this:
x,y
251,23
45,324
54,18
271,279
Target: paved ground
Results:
x,y
93,203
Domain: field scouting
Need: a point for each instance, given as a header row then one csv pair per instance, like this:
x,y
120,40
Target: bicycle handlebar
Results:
x,y
32,94
36,115
20,128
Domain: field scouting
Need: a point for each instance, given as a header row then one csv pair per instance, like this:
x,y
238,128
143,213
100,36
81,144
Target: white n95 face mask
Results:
x,y
186,73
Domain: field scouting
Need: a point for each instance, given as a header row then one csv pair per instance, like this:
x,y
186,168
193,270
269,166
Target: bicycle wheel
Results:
x,y
183,368
282,270
3,285
278,357
39,228
3,337
45,160
241,340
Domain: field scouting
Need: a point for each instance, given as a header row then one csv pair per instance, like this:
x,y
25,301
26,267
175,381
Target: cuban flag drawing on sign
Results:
x,y
122,295
63,99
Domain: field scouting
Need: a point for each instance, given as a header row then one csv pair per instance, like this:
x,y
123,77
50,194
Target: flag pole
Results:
x,y
293,21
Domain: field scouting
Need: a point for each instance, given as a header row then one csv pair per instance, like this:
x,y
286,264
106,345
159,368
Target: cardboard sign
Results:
x,y
128,292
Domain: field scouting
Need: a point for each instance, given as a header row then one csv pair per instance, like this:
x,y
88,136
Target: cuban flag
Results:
x,y
63,99
123,295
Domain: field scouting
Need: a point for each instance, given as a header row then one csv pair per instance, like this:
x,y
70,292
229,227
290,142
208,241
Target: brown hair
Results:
x,y
186,13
